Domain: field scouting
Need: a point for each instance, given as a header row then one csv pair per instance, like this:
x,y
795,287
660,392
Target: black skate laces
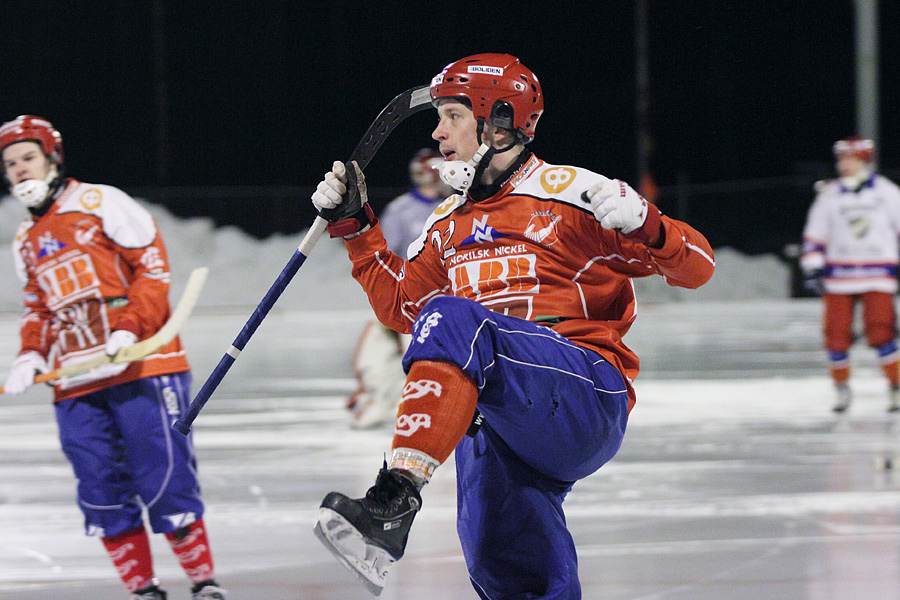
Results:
x,y
387,488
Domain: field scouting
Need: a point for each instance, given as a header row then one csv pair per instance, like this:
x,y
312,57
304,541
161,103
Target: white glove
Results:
x,y
616,205
24,368
118,339
330,191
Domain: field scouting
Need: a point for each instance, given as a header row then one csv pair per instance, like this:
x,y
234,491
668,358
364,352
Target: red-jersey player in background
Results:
x,y
96,279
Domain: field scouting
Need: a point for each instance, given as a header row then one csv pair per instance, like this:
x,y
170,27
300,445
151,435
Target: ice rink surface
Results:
x,y
735,482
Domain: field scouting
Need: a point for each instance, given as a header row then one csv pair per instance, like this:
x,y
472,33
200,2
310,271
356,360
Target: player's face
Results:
x,y
848,165
455,131
25,160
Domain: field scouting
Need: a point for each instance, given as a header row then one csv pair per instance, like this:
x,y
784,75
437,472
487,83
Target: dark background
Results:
x,y
236,109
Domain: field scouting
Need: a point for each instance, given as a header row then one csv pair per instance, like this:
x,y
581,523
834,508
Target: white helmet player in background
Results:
x,y
854,161
851,256
34,166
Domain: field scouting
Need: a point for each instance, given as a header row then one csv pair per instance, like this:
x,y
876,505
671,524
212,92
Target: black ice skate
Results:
x,y
369,534
207,590
151,592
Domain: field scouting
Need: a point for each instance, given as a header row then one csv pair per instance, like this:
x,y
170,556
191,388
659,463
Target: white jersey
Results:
x,y
404,218
854,236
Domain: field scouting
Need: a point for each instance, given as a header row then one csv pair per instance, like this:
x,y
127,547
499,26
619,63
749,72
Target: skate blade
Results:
x,y
370,564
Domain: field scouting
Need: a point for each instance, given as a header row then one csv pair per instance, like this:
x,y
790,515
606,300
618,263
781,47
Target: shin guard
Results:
x,y
130,554
435,412
191,547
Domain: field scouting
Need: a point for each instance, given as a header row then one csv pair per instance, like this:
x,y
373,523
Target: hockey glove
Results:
x,y
813,281
617,206
24,368
341,200
118,339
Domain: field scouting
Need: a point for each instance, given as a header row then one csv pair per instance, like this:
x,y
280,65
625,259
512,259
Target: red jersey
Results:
x,y
94,263
532,250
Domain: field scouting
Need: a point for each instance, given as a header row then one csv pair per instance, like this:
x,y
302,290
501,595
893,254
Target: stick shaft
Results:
x,y
183,425
402,106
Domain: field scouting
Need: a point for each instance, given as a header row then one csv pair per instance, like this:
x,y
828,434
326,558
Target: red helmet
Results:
x,y
501,90
857,147
423,167
33,129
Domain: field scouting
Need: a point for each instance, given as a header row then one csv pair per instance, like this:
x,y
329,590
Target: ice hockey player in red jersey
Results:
x,y
517,296
96,279
851,255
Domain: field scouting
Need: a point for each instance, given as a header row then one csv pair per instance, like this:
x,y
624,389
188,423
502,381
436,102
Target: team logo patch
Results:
x,y
422,387
409,424
557,179
49,245
858,226
542,227
430,321
92,199
482,232
85,231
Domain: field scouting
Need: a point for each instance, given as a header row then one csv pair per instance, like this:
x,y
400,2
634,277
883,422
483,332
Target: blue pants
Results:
x,y
123,451
554,412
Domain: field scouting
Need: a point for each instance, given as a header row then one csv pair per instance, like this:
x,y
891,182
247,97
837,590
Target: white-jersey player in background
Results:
x,y
376,362
850,255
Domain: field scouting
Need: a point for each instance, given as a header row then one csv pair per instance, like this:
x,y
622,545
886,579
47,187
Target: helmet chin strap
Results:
x,y
462,175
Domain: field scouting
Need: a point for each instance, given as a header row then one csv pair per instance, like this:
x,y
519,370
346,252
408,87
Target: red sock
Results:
x,y
435,412
191,548
130,554
840,374
891,370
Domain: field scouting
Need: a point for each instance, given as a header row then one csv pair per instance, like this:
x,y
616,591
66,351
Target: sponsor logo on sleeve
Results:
x,y
152,259
92,199
557,179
